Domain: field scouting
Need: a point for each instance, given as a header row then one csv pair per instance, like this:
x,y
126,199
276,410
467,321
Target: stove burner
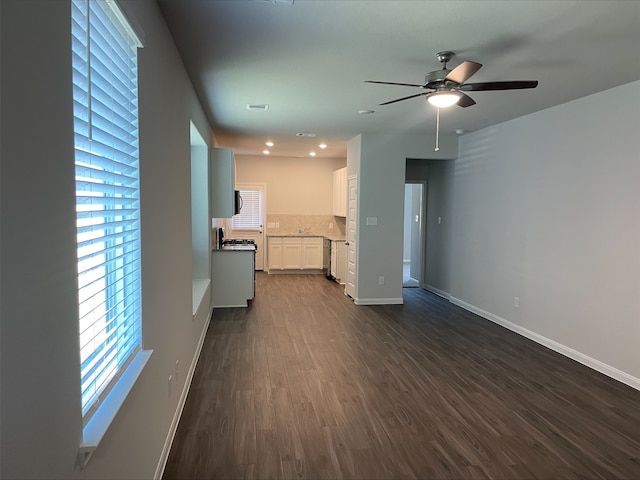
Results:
x,y
239,241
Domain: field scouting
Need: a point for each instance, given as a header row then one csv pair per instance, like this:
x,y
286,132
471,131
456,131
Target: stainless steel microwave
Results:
x,y
237,205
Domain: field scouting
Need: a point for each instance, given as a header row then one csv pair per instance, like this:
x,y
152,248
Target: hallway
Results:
x,y
304,384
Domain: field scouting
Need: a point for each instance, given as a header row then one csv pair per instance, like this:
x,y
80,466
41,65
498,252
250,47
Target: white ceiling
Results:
x,y
309,61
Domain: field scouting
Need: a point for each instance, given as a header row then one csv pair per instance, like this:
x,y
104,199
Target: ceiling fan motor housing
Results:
x,y
436,79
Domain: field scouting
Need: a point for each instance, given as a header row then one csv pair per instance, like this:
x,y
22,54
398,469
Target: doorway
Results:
x,y
413,246
249,223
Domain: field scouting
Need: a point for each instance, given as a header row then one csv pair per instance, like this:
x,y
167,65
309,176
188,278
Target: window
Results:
x,y
250,216
105,107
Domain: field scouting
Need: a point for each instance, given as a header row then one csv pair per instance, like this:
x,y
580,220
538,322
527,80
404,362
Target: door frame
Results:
x,y
352,244
422,244
262,251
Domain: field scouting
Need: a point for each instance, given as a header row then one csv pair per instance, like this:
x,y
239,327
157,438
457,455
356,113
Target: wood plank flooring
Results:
x,y
305,385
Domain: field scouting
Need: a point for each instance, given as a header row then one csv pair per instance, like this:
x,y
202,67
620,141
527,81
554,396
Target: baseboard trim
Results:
x,y
579,357
378,301
162,463
437,291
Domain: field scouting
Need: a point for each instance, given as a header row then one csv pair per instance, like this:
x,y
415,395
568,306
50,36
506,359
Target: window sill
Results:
x,y
199,289
99,423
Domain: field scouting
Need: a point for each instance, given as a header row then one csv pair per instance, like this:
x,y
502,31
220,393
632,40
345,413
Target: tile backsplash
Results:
x,y
308,224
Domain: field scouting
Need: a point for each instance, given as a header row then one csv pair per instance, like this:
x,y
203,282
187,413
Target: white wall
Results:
x,y
546,209
381,178
40,409
294,185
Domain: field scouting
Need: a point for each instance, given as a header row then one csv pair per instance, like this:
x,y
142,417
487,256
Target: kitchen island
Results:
x,y
233,275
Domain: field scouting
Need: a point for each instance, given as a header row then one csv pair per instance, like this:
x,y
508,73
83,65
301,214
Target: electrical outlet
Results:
x,y
439,220
516,302
277,224
381,280
330,226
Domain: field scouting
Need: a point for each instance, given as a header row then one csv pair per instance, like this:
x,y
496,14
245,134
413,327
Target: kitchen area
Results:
x,y
292,220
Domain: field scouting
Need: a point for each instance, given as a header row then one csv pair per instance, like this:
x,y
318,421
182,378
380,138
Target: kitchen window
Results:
x,y
105,107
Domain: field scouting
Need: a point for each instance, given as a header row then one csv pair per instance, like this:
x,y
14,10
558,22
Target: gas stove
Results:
x,y
239,241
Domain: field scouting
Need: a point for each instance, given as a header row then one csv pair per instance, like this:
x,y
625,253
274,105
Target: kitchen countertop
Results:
x,y
334,238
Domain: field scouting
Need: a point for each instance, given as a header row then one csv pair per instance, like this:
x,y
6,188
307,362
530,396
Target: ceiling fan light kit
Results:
x,y
444,99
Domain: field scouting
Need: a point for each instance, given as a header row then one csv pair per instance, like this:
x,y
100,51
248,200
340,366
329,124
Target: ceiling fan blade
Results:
x,y
393,83
463,72
465,100
404,98
517,85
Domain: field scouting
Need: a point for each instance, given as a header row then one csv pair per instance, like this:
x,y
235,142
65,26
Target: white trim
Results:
x,y
378,301
199,288
100,421
132,26
162,462
437,291
590,362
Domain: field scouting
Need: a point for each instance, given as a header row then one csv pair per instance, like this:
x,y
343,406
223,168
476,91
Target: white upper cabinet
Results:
x,y
340,192
222,181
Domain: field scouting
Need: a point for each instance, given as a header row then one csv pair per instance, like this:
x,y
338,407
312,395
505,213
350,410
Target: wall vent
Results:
x,y
309,135
257,106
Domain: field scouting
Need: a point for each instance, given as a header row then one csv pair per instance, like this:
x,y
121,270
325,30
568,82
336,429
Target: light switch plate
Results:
x,y
372,220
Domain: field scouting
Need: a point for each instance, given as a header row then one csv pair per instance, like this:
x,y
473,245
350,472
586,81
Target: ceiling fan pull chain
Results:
x,y
437,128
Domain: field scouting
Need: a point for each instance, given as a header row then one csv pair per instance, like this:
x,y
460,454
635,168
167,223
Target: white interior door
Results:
x,y
249,223
352,235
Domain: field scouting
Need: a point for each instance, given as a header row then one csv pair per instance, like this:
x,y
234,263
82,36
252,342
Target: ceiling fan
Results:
x,y
445,87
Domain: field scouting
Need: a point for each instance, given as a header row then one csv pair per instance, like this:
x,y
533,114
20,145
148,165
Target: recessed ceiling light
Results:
x,y
323,146
269,144
366,112
266,152
313,154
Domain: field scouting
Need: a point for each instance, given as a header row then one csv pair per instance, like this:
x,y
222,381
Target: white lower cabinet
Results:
x,y
291,253
295,253
275,254
312,253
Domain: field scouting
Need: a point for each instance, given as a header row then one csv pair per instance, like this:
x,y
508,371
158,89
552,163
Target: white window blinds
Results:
x,y
105,95
250,216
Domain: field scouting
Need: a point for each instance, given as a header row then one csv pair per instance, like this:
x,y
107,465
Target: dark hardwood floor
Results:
x,y
305,385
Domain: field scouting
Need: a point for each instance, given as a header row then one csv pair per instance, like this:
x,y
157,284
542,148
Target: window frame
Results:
x,y
106,138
